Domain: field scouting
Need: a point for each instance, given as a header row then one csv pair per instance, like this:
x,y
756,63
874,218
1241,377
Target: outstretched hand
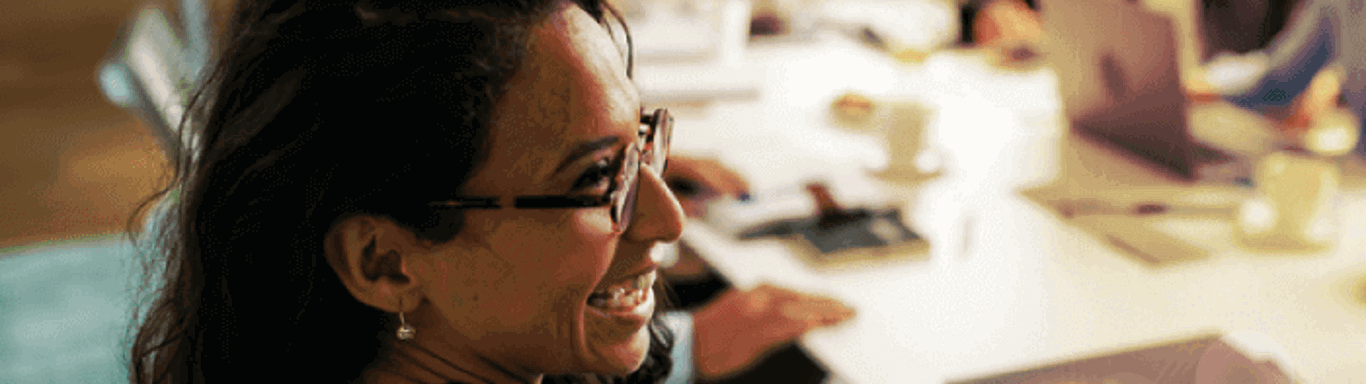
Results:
x,y
1009,29
1318,100
734,331
1199,91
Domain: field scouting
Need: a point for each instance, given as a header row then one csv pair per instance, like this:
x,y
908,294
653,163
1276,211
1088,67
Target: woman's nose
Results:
x,y
658,215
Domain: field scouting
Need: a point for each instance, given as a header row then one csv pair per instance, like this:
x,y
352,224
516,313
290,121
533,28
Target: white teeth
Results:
x,y
611,303
628,294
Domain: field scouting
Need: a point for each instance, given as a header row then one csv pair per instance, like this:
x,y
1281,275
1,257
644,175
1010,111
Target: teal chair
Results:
x,y
66,306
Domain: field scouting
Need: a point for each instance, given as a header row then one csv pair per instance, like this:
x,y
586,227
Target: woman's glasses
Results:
x,y
652,149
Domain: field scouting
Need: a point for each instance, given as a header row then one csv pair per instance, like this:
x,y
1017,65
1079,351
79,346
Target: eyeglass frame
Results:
x,y
658,121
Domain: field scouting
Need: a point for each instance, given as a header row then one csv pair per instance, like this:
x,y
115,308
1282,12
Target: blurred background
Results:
x,y
74,165
72,168
71,163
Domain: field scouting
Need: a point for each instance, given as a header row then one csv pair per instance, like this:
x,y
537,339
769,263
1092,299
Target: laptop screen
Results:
x,y
1119,78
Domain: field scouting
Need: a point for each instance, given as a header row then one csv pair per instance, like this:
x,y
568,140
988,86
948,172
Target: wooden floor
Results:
x,y
71,164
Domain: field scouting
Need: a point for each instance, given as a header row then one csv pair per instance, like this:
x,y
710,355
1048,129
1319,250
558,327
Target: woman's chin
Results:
x,y
618,341
623,358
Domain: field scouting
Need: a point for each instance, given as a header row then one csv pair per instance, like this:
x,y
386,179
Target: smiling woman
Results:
x,y
318,217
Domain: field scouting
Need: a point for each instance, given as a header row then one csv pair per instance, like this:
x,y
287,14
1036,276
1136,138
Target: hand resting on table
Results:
x,y
740,327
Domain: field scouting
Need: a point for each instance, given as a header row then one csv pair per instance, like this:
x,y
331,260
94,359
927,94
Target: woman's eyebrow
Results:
x,y
585,148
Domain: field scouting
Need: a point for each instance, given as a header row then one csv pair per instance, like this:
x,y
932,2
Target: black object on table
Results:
x,y
836,228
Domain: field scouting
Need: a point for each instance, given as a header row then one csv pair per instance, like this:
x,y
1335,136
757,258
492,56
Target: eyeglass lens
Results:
x,y
655,154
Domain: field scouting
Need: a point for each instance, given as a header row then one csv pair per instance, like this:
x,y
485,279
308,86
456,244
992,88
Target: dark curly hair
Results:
x,y
298,90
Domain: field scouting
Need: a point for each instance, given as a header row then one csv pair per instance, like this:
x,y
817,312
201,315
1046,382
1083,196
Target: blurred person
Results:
x,y
1241,26
1320,32
430,192
1008,28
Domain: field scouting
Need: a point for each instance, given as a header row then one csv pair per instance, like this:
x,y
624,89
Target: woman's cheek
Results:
x,y
590,232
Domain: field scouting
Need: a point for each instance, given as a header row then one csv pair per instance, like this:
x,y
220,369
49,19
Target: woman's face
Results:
x,y
516,283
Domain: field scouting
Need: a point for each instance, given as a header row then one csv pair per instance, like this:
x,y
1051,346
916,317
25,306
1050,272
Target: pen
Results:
x,y
1124,245
1070,209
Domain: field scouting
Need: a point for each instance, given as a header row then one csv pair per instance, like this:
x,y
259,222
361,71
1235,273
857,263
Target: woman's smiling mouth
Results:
x,y
630,301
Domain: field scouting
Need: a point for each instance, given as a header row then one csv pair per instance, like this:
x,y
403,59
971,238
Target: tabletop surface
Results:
x,y
1008,284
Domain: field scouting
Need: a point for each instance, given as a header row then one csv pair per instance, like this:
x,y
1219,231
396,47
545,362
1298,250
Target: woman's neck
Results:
x,y
410,362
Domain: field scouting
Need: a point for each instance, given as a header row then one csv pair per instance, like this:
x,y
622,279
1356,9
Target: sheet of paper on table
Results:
x,y
1111,217
867,229
791,201
715,237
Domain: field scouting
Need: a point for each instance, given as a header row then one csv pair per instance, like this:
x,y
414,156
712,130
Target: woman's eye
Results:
x,y
596,178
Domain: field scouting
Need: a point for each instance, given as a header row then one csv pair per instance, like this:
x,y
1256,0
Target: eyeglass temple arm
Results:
x,y
468,203
547,201
562,201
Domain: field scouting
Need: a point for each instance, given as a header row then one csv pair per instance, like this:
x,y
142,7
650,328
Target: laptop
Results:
x,y
1120,83
1205,358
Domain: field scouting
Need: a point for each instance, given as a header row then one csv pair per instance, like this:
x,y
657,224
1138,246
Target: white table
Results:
x,y
1008,285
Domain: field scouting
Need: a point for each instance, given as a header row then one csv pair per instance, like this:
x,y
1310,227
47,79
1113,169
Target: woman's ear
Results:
x,y
371,255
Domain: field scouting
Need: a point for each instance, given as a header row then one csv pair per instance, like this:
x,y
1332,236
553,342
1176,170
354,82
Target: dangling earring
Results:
x,y
405,331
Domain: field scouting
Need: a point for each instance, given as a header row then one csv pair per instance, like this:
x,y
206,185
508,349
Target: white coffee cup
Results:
x,y
1294,209
907,149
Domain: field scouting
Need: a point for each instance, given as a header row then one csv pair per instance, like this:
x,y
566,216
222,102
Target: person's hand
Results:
x,y
1009,29
734,331
1198,91
1320,98
696,181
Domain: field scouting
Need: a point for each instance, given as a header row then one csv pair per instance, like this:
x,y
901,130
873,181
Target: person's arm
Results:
x,y
739,328
697,181
1294,57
